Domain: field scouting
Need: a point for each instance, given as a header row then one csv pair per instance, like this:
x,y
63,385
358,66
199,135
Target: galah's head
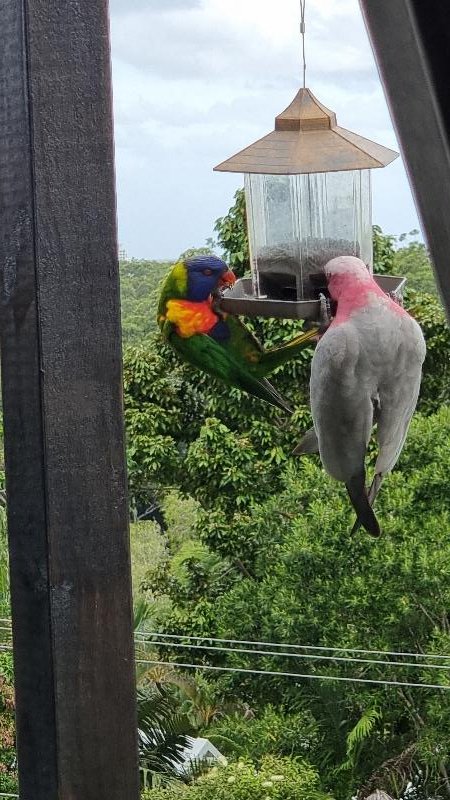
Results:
x,y
205,275
343,272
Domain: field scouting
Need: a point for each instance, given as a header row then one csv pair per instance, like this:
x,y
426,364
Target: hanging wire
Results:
x,y
306,656
302,32
318,648
177,665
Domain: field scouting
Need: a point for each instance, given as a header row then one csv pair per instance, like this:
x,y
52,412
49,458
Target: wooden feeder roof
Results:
x,y
306,139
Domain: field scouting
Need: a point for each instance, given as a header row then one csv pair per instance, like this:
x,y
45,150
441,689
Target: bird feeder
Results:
x,y
308,199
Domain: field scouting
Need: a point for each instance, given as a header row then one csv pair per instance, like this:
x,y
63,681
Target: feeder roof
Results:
x,y
306,139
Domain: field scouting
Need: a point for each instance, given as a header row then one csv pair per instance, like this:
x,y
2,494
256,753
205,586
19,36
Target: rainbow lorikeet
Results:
x,y
215,342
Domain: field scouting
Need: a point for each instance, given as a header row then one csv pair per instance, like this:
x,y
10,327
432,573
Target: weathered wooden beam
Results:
x,y
411,42
61,380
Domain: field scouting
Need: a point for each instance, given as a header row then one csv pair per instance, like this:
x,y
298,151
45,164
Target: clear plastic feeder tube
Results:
x,y
296,223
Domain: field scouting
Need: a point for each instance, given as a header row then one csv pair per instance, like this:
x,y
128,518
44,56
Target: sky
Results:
x,y
197,80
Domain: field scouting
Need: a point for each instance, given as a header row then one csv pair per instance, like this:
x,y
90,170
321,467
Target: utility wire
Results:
x,y
280,645
318,648
313,657
342,679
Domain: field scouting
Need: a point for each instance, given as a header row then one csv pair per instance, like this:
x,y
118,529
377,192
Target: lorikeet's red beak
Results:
x,y
227,279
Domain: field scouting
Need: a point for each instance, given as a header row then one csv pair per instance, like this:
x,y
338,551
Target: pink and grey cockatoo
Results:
x,y
366,370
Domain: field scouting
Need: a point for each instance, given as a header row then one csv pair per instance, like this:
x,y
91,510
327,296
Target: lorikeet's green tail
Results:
x,y
262,362
271,359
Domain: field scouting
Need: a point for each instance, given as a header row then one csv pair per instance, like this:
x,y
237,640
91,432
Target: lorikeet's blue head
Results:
x,y
205,275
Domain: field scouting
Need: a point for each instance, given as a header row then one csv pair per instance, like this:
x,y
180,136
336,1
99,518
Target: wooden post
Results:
x,y
411,41
62,399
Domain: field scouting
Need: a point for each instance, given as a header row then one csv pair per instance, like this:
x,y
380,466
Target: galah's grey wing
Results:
x,y
342,394
397,399
398,395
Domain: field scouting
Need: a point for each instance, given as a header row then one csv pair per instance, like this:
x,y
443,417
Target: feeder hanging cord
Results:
x,y
302,31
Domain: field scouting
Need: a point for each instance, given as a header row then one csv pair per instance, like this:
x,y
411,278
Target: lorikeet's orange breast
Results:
x,y
190,318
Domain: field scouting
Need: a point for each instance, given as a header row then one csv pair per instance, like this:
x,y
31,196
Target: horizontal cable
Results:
x,y
314,648
5,647
310,656
294,675
318,648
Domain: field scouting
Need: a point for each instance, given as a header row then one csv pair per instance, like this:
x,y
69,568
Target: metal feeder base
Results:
x,y
239,299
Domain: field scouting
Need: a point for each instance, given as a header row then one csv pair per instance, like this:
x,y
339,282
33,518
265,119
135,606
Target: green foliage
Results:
x,y
191,252
269,731
163,734
148,546
8,767
139,282
232,235
358,737
412,260
383,251
276,779
308,582
435,389
313,584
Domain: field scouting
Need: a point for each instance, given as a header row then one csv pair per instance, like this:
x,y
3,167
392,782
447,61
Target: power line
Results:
x,y
279,645
319,648
342,679
309,656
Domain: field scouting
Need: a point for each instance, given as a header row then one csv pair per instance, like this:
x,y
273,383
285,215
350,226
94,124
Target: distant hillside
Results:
x,y
139,282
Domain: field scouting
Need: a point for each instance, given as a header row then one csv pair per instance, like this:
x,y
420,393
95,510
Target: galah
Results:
x,y
220,344
366,370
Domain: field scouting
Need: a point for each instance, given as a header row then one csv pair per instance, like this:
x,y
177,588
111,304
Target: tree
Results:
x,y
232,235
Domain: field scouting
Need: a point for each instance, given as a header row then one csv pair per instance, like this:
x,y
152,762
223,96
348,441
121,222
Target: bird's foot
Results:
x,y
325,316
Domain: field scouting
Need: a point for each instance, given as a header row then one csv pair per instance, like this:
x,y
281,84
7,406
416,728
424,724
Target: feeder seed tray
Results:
x,y
241,300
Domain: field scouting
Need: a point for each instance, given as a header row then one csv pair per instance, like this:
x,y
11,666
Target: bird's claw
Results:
x,y
325,315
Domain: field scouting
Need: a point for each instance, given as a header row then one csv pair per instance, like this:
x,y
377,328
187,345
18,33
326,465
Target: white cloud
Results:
x,y
196,80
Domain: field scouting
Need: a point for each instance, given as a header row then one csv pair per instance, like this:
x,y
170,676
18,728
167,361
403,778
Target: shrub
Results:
x,y
276,779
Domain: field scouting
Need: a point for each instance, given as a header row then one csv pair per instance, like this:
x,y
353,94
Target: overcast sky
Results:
x,y
197,80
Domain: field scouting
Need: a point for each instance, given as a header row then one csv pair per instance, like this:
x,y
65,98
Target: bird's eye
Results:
x,y
207,272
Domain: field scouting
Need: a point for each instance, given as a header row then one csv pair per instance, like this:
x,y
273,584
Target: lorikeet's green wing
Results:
x,y
205,353
261,362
